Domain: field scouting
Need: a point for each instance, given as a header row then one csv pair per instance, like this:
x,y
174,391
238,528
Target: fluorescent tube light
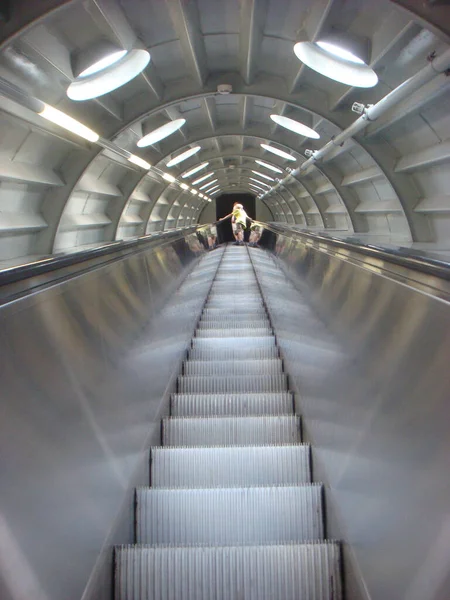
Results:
x,y
278,152
59,118
184,156
140,162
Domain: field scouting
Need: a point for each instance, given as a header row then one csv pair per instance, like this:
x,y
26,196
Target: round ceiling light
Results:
x,y
277,151
183,156
263,176
257,187
203,187
336,63
268,166
101,64
161,133
295,126
195,170
259,182
207,176
340,52
108,74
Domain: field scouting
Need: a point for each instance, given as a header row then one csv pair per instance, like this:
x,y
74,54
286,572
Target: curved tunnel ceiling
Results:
x,y
59,192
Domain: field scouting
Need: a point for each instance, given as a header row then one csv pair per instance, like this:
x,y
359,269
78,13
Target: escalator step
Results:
x,y
290,572
206,405
234,354
210,368
235,466
241,332
234,306
262,323
259,515
231,431
188,384
224,315
220,343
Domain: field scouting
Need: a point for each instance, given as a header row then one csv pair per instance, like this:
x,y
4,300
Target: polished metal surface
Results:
x,y
229,515
312,572
368,352
86,374
229,479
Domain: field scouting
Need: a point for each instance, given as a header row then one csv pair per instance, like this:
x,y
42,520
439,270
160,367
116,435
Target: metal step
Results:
x,y
237,333
222,344
206,405
188,384
240,291
245,286
209,368
261,323
231,431
289,572
235,466
229,516
235,354
223,314
234,304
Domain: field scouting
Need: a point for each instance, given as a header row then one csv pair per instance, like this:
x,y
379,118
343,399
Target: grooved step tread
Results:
x,y
236,333
191,384
208,368
189,405
243,342
262,323
234,353
235,466
231,431
258,515
279,572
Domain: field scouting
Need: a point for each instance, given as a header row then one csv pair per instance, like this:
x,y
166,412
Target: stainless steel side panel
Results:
x,y
370,358
84,370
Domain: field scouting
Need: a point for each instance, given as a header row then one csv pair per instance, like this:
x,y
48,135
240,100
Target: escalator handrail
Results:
x,y
430,266
54,263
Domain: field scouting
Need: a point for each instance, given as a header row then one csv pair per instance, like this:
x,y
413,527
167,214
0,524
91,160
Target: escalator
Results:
x,y
231,510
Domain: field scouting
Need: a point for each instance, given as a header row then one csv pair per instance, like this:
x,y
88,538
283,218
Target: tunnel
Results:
x,y
188,410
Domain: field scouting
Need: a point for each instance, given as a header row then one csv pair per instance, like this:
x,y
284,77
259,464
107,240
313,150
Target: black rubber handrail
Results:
x,y
55,263
403,257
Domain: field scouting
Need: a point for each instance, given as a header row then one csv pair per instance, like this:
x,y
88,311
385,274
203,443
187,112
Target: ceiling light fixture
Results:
x,y
207,176
183,156
203,187
161,133
183,186
195,192
108,74
277,151
340,52
140,162
168,177
195,170
59,118
259,182
103,63
337,63
263,176
295,126
268,166
256,187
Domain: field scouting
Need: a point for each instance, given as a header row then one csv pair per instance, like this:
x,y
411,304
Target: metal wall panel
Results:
x,y
369,358
85,368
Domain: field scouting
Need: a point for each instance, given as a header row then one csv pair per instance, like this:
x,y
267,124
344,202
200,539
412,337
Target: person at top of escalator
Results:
x,y
238,222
